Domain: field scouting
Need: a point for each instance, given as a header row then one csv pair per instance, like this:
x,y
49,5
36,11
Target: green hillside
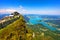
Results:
x,y
16,31
43,33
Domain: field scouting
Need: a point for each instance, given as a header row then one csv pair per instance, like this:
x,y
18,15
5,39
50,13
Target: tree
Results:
x,y
15,13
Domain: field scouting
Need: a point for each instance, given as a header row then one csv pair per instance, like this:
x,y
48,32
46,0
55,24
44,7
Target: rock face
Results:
x,y
16,31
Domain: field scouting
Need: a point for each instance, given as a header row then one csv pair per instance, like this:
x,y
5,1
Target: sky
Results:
x,y
43,7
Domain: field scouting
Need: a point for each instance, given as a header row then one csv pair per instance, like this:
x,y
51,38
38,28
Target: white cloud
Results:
x,y
7,10
22,10
46,12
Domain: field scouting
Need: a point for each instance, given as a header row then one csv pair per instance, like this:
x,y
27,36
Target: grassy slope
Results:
x,y
15,31
43,35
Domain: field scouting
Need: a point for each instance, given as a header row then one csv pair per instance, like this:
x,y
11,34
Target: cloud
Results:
x,y
7,10
22,10
45,12
10,10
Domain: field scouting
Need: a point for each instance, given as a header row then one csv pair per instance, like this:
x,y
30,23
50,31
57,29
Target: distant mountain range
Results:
x,y
42,16
3,15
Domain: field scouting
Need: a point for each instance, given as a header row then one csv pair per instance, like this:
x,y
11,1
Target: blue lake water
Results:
x,y
36,21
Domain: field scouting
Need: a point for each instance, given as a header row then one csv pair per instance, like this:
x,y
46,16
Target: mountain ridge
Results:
x,y
15,31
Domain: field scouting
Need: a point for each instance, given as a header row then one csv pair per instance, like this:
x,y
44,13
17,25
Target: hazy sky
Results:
x,y
46,7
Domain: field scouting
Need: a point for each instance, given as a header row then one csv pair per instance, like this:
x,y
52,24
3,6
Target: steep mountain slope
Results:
x,y
43,33
16,31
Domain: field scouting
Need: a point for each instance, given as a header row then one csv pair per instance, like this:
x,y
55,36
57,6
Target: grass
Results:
x,y
15,31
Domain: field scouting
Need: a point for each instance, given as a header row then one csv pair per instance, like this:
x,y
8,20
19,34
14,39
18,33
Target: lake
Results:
x,y
38,20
